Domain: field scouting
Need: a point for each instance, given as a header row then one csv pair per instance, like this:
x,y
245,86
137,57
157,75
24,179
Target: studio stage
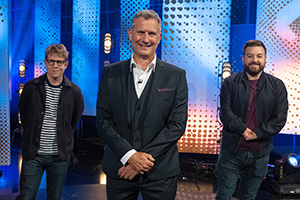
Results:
x,y
196,182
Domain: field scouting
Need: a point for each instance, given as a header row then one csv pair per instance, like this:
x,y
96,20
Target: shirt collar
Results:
x,y
152,65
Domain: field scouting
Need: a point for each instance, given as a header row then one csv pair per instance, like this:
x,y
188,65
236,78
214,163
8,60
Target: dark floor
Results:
x,y
85,178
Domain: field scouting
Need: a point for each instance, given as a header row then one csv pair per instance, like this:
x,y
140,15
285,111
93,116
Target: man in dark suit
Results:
x,y
141,114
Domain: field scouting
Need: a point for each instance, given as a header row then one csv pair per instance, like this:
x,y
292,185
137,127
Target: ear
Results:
x,y
67,63
130,33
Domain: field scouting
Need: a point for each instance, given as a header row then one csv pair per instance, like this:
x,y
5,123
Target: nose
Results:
x,y
255,58
55,64
146,38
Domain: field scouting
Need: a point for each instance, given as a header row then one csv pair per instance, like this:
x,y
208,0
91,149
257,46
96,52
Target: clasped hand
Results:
x,y
139,162
249,134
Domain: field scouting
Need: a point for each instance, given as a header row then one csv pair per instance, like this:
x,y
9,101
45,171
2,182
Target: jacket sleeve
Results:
x,y
105,120
231,122
176,122
270,127
78,108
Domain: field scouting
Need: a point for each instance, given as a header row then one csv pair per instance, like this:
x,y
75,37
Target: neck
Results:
x,y
256,77
55,81
143,63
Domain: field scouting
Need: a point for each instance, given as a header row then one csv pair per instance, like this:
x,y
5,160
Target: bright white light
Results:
x,y
293,160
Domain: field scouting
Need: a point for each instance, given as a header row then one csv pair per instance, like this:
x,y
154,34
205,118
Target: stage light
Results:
x,y
294,160
287,169
226,70
22,69
107,43
20,90
102,178
106,62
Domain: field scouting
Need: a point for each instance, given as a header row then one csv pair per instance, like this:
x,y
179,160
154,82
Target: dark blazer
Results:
x,y
32,110
163,124
272,108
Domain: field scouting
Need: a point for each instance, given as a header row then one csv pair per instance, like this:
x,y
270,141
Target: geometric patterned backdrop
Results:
x,y
85,50
47,30
4,84
196,37
278,26
128,9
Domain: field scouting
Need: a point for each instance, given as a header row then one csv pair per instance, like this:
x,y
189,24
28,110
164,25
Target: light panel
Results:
x,y
196,36
278,27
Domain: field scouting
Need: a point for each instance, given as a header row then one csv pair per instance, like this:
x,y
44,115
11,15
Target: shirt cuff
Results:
x,y
127,155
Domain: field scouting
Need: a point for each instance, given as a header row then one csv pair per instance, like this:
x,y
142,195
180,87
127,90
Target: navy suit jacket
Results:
x,y
163,125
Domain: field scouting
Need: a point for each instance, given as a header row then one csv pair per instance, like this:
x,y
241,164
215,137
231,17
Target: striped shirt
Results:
x,y
48,140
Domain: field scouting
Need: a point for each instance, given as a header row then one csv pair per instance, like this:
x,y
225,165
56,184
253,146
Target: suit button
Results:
x,y
42,113
137,119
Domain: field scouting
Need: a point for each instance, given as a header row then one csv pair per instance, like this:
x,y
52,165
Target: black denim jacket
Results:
x,y
272,107
32,110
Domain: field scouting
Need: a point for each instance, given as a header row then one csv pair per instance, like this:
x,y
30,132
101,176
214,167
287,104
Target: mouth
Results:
x,y
144,45
254,64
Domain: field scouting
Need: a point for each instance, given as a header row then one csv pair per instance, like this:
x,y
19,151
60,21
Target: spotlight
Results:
x,y
107,43
22,69
287,169
226,70
294,160
106,62
20,90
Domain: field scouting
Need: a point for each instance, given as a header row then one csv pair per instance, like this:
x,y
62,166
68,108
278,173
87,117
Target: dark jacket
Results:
x,y
160,126
272,107
32,110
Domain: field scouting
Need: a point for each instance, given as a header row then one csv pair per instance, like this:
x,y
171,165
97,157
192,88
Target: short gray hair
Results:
x,y
147,14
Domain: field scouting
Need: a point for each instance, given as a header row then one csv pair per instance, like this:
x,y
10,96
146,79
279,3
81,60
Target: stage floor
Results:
x,y
197,180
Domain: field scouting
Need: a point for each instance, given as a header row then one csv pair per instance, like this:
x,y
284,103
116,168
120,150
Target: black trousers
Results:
x,y
121,189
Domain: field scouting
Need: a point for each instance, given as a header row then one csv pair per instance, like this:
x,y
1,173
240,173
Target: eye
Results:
x,y
60,62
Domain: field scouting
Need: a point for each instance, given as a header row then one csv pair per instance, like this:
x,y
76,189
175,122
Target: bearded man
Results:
x,y
254,108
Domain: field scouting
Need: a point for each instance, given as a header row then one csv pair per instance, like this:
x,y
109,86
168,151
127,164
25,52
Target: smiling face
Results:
x,y
145,37
55,72
254,60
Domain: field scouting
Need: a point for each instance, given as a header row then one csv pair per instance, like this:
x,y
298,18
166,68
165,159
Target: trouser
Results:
x,y
246,166
121,189
32,172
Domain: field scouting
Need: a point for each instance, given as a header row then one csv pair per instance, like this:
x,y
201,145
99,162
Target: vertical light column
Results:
x,y
86,35
196,37
4,83
278,27
128,9
47,31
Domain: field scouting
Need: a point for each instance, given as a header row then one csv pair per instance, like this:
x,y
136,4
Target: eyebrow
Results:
x,y
254,54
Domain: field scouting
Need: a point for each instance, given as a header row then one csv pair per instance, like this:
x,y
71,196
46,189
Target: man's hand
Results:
x,y
127,172
141,162
249,134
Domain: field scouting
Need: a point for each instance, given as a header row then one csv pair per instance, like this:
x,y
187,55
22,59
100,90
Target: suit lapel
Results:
x,y
158,77
125,80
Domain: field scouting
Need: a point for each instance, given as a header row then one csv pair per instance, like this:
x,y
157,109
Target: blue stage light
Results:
x,y
294,160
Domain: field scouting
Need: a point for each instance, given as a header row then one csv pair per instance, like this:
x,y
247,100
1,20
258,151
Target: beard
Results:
x,y
251,71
